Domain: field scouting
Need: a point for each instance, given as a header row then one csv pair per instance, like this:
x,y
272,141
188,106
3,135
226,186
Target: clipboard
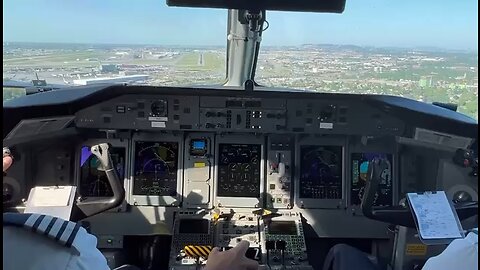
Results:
x,y
435,217
56,201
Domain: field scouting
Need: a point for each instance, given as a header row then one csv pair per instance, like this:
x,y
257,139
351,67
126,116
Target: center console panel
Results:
x,y
284,243
192,235
277,243
241,226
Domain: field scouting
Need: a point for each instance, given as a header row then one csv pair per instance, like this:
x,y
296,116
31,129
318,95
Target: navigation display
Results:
x,y
360,163
156,165
321,172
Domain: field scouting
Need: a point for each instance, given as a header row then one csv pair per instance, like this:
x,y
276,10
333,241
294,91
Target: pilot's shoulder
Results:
x,y
79,248
63,232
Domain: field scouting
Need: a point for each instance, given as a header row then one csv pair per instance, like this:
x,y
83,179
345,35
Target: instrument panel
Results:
x,y
93,180
155,169
360,162
239,170
237,114
207,170
202,149
321,172
302,158
276,152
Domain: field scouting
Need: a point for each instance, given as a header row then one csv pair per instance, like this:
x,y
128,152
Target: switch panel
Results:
x,y
279,168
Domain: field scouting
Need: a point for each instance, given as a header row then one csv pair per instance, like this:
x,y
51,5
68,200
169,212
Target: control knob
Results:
x,y
159,108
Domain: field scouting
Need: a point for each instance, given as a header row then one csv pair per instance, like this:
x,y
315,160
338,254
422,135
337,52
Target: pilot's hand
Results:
x,y
232,259
7,162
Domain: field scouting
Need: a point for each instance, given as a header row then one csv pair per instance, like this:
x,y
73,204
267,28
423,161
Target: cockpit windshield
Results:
x,y
424,50
84,42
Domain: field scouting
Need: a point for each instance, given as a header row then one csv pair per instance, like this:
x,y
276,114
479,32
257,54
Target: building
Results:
x,y
120,79
108,68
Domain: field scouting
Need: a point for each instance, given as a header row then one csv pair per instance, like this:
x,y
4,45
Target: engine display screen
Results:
x,y
155,171
195,226
360,163
282,228
239,170
321,172
93,180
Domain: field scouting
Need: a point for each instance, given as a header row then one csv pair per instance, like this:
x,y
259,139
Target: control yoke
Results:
x,y
398,215
92,206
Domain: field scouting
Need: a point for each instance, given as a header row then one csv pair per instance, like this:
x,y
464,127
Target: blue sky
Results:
x,y
451,24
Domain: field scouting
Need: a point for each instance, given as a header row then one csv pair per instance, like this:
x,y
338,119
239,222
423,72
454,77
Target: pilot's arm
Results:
x,y
460,254
33,241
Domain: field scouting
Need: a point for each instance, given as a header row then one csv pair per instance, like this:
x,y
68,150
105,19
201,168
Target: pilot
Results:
x,y
37,242
459,254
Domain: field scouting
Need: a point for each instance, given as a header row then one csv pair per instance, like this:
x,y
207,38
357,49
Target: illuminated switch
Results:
x,y
199,164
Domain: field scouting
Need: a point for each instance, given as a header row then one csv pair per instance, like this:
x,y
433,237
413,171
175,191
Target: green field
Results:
x,y
151,62
187,61
10,93
54,59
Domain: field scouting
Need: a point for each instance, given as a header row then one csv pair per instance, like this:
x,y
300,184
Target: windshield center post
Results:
x,y
243,42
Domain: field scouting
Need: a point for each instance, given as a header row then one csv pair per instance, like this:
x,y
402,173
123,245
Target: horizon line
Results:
x,y
475,50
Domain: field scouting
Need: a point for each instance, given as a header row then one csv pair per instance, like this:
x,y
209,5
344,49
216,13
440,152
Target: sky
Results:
x,y
449,24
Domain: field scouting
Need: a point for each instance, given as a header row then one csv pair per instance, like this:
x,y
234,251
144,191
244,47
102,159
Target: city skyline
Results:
x,y
366,23
414,48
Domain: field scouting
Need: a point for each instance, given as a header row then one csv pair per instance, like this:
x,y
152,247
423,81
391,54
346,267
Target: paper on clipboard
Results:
x,y
434,215
50,196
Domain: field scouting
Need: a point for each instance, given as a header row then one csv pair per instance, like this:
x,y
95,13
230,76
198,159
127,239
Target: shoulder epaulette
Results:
x,y
60,230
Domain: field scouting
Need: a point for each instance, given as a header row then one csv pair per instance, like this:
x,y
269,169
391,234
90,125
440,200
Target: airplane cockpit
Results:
x,y
162,174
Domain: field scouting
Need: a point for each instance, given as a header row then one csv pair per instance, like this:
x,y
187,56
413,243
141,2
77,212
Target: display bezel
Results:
x,y
156,200
241,202
320,203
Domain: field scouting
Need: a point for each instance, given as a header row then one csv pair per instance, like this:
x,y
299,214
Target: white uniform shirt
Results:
x,y
460,254
40,250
